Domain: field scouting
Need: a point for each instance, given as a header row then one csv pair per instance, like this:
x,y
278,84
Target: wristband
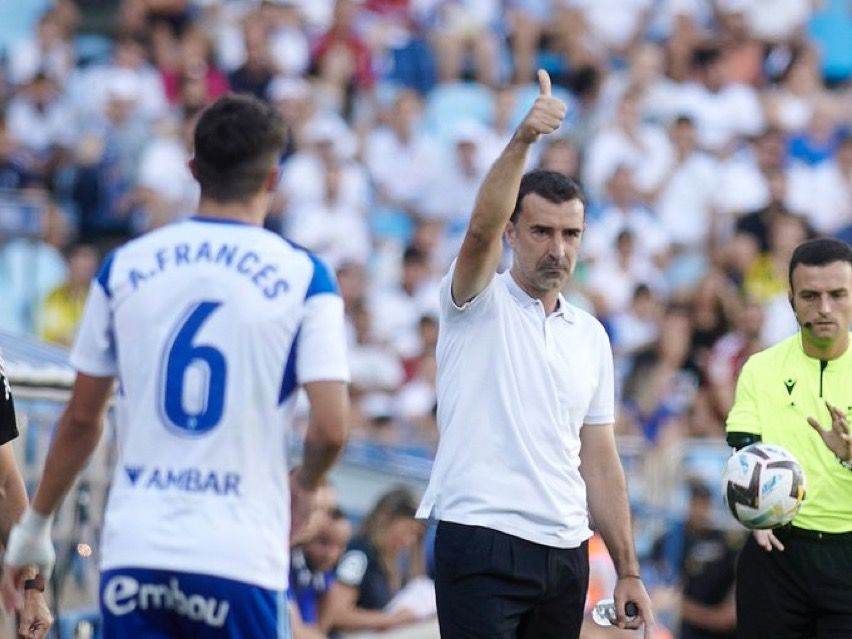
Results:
x,y
36,583
629,576
846,463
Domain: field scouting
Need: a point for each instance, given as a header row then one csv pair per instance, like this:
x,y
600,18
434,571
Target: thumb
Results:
x,y
543,82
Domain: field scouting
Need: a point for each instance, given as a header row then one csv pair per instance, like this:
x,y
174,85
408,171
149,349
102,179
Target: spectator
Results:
x,y
730,352
38,120
50,52
255,74
312,565
702,558
370,573
60,312
684,198
191,57
625,212
31,267
400,157
723,111
628,142
459,27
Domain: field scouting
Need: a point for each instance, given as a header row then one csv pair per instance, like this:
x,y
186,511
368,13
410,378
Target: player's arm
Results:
x,y
482,245
321,365
606,492
76,438
327,430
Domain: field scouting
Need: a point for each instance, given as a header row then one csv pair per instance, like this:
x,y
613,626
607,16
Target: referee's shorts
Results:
x,y
802,592
491,585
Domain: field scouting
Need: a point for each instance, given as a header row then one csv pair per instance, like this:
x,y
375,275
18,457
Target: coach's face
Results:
x,y
545,242
822,300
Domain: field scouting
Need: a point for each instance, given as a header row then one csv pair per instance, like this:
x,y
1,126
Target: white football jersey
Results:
x,y
210,326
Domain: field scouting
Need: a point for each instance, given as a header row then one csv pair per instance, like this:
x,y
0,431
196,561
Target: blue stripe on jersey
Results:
x,y
103,274
289,382
322,281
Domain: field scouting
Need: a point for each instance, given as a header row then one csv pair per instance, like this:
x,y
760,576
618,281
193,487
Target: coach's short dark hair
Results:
x,y
551,185
819,252
237,140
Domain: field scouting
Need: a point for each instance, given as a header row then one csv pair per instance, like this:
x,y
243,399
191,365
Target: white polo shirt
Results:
x,y
514,389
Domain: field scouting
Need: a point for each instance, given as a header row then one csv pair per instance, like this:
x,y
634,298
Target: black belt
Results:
x,y
793,532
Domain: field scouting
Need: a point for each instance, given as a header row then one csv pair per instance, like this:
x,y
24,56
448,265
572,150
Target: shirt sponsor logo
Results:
x,y
123,595
190,480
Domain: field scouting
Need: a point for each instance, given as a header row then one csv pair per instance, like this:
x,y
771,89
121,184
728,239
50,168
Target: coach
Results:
x,y
525,412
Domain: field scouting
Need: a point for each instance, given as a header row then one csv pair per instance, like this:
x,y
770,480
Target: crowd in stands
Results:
x,y
709,136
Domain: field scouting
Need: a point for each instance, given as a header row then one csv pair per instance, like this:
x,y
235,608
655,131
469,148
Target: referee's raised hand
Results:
x,y
546,114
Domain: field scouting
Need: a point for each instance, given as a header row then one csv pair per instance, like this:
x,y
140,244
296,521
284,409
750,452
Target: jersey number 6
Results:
x,y
209,373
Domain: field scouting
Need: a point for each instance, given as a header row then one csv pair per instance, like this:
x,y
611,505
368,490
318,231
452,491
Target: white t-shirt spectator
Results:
x,y
822,194
648,233
405,171
721,117
336,232
685,203
611,148
39,130
163,169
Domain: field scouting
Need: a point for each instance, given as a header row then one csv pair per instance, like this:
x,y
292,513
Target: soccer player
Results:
x,y
35,616
210,325
526,406
795,581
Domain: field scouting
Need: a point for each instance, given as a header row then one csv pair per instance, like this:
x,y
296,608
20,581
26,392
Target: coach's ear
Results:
x,y
272,178
191,164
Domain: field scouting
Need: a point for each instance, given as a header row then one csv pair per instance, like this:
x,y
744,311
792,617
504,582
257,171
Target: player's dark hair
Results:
x,y
819,252
551,185
238,139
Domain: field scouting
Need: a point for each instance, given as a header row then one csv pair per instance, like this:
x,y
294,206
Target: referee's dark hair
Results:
x,y
551,185
238,139
819,252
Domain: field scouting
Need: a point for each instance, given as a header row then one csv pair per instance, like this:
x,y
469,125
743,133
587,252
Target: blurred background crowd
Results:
x,y
710,137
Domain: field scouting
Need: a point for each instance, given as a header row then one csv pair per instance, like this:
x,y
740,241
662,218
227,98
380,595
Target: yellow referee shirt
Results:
x,y
777,390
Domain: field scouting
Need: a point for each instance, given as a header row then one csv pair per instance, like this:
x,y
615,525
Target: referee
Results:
x,y
796,581
525,413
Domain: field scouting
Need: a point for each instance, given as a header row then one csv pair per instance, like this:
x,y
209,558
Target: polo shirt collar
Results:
x,y
563,309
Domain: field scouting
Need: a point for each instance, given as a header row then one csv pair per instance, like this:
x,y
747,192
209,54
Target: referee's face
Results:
x,y
545,242
822,300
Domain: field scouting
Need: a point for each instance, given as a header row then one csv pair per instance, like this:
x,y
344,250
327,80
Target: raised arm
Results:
x,y
482,245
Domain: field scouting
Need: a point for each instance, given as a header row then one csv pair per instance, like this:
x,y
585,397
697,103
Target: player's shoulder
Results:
x,y
322,277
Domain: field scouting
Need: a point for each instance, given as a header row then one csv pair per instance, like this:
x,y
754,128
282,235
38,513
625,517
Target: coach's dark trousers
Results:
x,y
491,585
802,592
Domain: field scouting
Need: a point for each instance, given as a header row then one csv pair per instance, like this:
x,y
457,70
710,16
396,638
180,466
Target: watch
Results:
x,y
36,583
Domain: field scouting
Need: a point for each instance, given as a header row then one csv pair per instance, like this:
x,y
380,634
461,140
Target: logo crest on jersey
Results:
x,y
790,384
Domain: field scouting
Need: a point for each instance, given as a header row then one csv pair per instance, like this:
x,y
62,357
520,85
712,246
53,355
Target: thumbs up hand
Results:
x,y
546,114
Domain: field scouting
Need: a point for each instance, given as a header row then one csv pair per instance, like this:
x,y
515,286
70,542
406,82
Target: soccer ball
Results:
x,y
763,486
